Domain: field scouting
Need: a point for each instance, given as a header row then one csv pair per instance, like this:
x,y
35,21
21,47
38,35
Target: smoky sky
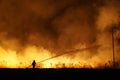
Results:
x,y
53,24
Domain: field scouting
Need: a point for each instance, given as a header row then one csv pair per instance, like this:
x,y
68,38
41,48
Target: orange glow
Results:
x,y
59,33
9,59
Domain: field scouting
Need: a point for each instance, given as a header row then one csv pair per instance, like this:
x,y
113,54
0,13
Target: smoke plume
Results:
x,y
58,26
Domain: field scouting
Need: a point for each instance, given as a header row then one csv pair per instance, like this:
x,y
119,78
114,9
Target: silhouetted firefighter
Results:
x,y
33,63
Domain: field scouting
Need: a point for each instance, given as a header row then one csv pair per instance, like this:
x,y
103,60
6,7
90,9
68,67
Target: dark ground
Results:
x,y
55,74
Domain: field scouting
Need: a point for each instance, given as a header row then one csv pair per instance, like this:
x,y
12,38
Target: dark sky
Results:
x,y
55,24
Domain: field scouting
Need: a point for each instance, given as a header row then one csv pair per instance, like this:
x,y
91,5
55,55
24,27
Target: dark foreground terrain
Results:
x,y
54,74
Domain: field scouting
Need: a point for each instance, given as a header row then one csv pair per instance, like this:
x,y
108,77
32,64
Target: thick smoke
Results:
x,y
108,19
57,25
54,25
